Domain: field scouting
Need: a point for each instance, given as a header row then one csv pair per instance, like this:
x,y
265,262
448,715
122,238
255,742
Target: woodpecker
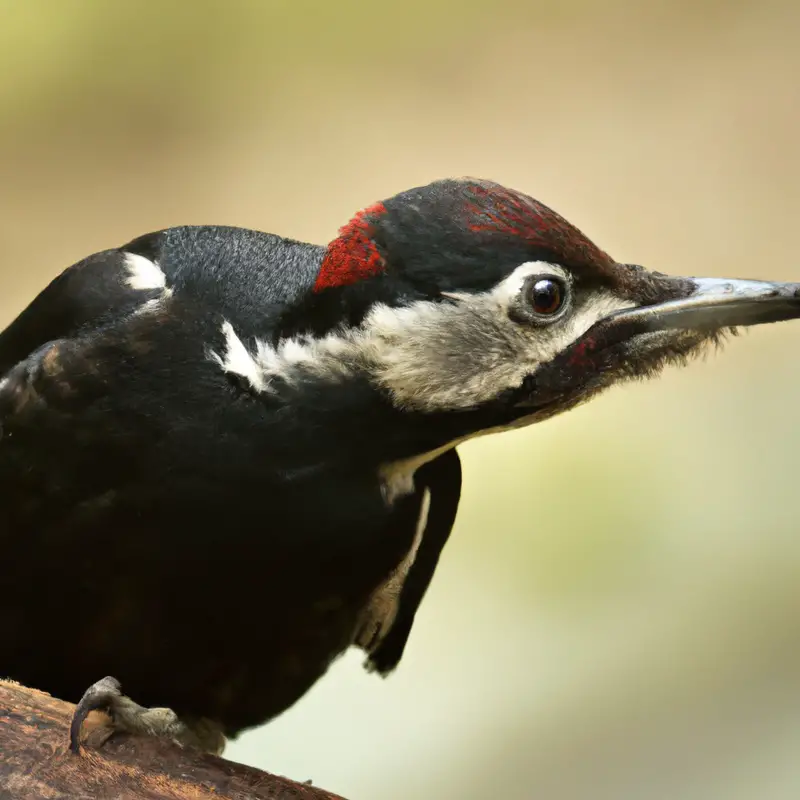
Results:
x,y
227,456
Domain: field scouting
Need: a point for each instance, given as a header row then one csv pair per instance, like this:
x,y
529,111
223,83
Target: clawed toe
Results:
x,y
128,716
99,696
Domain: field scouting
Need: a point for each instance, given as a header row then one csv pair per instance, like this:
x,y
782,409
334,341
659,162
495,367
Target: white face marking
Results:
x,y
144,274
434,356
380,612
237,359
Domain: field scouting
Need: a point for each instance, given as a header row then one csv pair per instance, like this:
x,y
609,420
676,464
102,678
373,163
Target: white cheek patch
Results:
x,y
433,356
144,274
430,356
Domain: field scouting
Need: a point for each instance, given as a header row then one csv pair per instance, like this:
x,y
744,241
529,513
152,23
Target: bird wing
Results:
x,y
442,478
108,395
76,413
151,499
245,275
83,295
79,365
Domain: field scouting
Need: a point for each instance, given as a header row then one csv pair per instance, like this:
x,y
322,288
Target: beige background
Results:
x,y
616,615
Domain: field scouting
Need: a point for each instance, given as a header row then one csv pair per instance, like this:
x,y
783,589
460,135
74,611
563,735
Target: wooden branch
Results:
x,y
35,761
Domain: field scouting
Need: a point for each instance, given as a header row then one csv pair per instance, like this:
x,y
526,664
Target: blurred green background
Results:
x,y
616,614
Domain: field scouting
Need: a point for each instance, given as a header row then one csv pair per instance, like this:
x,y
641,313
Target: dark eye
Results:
x,y
546,296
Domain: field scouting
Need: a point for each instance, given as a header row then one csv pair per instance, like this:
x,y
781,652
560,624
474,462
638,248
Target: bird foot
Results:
x,y
129,717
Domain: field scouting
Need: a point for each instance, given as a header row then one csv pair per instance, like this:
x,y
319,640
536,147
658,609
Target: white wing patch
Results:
x,y
144,274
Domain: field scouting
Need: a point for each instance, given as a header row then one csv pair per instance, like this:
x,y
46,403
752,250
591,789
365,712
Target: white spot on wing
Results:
x,y
151,306
144,274
238,360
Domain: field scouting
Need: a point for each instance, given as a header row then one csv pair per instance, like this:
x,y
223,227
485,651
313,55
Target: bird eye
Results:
x,y
546,296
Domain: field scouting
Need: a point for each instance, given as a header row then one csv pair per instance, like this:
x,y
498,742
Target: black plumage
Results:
x,y
226,457
153,525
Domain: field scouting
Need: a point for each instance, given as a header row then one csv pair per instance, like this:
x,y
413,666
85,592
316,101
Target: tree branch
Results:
x,y
35,761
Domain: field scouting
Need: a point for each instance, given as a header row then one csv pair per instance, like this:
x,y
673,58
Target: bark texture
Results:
x,y
35,761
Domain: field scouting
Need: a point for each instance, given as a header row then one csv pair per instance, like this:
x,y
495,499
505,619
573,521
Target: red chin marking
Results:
x,y
580,355
353,255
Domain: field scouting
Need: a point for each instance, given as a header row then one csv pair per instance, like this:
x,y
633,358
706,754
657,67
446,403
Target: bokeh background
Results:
x,y
616,615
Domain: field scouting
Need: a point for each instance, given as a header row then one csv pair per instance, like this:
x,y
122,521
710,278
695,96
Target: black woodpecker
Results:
x,y
226,457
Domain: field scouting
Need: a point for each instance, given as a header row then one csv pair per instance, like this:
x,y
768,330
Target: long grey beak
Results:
x,y
716,303
698,305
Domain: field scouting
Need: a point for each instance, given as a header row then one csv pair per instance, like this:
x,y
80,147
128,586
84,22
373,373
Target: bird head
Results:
x,y
467,300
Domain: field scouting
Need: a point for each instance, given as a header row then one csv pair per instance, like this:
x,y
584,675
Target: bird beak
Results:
x,y
636,340
712,304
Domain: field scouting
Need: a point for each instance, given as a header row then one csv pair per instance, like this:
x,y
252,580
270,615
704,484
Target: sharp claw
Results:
x,y
129,717
96,697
